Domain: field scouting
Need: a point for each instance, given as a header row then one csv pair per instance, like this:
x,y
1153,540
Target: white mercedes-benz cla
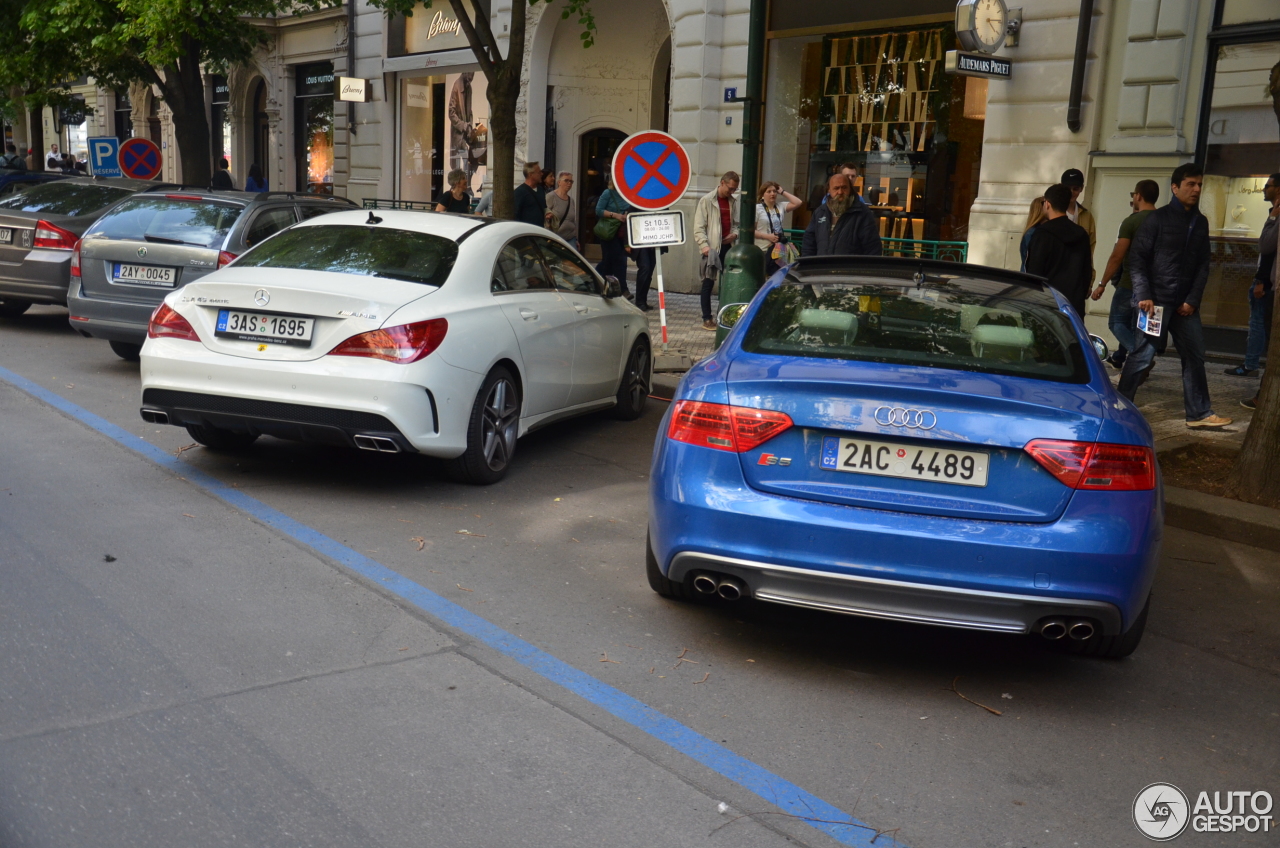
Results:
x,y
392,331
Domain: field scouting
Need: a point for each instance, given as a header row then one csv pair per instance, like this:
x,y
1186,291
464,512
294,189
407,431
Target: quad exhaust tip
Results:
x,y
381,444
155,416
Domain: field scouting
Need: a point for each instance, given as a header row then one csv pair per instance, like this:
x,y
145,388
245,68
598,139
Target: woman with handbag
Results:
x,y
770,236
611,213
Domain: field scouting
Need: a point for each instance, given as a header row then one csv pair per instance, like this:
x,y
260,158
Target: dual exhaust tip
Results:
x,y
1077,630
729,588
154,416
381,444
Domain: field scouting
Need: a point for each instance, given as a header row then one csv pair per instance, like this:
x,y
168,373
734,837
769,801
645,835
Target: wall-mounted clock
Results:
x,y
981,24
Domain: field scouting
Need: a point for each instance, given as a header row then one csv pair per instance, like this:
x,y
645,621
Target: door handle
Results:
x,y
583,309
528,314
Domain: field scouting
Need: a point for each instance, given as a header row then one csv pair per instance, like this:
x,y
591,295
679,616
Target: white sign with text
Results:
x,y
655,229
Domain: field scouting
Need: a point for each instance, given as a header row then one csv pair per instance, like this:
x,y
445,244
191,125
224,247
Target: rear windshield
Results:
x,y
367,250
967,325
61,197
167,220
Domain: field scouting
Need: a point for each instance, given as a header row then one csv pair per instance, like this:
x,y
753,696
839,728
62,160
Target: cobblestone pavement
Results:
x,y
1160,399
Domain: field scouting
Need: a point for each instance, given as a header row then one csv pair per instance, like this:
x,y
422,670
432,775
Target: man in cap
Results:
x,y
1073,179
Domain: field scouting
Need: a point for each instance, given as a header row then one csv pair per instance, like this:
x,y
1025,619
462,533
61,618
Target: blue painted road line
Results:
x,y
781,793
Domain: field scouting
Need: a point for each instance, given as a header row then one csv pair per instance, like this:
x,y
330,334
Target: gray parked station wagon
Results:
x,y
158,241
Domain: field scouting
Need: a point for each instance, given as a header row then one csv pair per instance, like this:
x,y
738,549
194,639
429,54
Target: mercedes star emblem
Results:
x,y
142,251
262,297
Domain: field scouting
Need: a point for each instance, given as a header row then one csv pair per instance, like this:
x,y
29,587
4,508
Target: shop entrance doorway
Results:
x,y
596,154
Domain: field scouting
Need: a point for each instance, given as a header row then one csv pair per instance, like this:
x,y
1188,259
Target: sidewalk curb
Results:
x,y
1222,518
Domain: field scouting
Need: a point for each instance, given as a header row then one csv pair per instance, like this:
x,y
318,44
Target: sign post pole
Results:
x,y
662,301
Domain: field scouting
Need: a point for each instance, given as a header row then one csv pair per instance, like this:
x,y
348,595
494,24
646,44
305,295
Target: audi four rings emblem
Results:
x,y
897,416
262,297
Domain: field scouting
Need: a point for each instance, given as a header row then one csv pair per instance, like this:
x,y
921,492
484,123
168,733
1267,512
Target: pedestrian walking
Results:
x,y
485,206
255,181
531,197
1035,216
53,159
1260,293
842,226
549,181
11,159
456,199
611,216
1073,179
1059,250
715,229
222,176
1169,267
1120,320
564,212
770,236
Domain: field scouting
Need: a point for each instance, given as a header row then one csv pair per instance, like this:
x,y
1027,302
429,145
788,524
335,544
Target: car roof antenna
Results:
x,y
373,219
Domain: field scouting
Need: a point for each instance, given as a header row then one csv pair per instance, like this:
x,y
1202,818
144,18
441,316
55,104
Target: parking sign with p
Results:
x,y
104,157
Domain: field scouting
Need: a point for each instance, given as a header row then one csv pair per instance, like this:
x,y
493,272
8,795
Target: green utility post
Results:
x,y
743,272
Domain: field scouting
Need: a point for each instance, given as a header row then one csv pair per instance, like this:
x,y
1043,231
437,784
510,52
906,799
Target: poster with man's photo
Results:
x,y
467,132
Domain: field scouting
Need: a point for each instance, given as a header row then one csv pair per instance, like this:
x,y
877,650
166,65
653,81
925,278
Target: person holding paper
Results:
x,y
1169,266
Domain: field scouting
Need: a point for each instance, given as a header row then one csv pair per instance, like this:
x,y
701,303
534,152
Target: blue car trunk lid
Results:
x,y
920,414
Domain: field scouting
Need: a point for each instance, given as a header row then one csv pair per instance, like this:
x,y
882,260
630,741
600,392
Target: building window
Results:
x,y
313,130
1242,148
123,115
883,101
422,108
220,120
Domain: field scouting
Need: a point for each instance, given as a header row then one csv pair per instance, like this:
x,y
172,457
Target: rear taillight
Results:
x,y
1090,465
225,258
75,260
403,344
53,237
194,197
723,427
167,324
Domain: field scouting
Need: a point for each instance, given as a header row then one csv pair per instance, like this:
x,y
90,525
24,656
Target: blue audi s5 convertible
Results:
x,y
911,440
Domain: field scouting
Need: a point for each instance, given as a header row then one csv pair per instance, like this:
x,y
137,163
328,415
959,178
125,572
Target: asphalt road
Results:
x,y
177,671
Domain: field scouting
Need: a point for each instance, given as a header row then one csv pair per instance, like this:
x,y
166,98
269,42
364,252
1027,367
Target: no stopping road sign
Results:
x,y
651,170
140,159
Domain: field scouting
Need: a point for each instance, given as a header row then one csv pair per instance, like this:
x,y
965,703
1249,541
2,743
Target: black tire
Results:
x,y
218,439
658,581
13,308
127,350
491,432
1115,647
637,377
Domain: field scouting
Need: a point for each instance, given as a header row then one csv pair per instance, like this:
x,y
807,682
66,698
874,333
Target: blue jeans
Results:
x,y
1259,328
1121,320
1188,336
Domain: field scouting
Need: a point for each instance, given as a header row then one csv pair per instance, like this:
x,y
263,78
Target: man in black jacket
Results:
x,y
1169,265
842,226
1059,250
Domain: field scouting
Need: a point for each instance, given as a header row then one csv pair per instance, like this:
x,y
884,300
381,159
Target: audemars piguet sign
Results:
x,y
977,65
352,89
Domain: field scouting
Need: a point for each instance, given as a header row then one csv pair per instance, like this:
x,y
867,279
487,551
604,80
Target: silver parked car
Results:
x,y
158,241
39,228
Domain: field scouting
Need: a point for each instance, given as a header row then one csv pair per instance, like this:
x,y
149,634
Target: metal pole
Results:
x,y
743,272
662,299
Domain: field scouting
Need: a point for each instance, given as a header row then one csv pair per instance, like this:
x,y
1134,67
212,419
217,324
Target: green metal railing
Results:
x,y
948,251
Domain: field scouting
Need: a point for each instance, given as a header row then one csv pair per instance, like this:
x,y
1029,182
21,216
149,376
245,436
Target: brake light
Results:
x,y
183,197
167,324
225,258
1090,465
53,237
403,344
75,260
723,427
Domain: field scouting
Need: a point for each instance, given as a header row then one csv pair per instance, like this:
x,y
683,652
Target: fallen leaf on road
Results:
x,y
404,649
463,588
571,539
187,515
605,658
922,718
179,451
1007,696
422,543
953,688
108,558
469,533
703,680
71,385
652,669
405,520
750,660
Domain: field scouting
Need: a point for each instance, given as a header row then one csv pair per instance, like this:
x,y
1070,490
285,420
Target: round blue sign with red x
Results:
x,y
140,159
651,170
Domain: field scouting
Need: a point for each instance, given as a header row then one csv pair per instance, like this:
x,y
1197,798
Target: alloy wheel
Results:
x,y
498,424
637,377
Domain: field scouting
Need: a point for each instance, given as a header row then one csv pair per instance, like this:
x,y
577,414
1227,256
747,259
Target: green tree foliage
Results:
x,y
502,74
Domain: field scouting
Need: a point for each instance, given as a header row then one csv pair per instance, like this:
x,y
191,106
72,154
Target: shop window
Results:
x,y
220,121
444,126
1242,150
883,101
313,130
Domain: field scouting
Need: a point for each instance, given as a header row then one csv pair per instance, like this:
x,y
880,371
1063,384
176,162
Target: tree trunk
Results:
x,y
503,94
183,89
1256,476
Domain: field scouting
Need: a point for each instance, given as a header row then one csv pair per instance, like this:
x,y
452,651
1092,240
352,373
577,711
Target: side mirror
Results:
x,y
730,313
612,288
1099,347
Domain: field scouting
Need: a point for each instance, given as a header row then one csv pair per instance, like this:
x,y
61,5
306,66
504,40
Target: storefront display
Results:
x,y
444,123
220,121
313,133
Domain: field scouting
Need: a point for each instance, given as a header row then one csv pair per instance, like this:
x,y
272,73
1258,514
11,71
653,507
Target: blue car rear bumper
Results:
x,y
1096,561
